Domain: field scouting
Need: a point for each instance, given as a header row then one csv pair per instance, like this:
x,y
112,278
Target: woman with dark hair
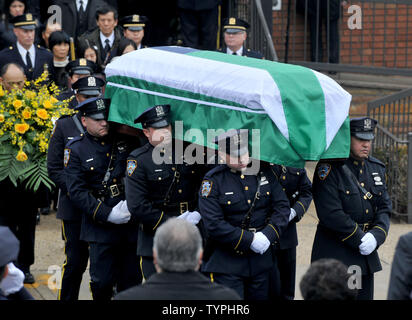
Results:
x,y
88,51
125,46
59,45
13,8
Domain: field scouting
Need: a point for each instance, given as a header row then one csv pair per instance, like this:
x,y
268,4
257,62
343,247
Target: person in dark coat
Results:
x,y
244,213
94,168
77,252
177,255
74,22
106,37
298,188
235,34
353,207
11,278
13,8
59,44
400,283
33,58
158,190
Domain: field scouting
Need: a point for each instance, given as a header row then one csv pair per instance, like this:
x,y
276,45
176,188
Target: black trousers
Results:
x,y
77,255
283,274
199,28
332,39
112,265
366,293
248,288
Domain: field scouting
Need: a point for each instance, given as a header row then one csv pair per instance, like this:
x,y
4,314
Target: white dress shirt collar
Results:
x,y
239,52
23,53
103,39
84,4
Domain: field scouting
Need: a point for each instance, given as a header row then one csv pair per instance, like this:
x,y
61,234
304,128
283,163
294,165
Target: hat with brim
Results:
x,y
363,128
89,92
25,21
233,142
364,135
235,30
27,27
155,117
98,116
82,70
135,28
9,246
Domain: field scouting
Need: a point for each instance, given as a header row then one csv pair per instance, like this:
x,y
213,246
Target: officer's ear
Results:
x,y
83,120
146,132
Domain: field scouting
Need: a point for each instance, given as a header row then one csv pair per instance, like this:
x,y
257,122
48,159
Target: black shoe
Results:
x,y
28,278
45,211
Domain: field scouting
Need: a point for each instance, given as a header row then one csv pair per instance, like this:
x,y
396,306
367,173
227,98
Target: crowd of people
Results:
x,y
208,230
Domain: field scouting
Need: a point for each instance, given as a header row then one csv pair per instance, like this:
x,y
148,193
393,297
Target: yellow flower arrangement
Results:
x,y
26,126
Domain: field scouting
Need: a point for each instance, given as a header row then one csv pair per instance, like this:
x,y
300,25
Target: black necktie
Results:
x,y
234,53
28,61
81,10
107,46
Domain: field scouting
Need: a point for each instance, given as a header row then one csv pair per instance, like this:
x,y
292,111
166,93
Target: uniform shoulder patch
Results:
x,y
139,151
323,170
131,167
206,187
66,156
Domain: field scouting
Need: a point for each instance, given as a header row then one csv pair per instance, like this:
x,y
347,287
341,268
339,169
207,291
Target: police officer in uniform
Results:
x,y
235,34
162,188
33,58
298,188
77,253
244,214
133,29
353,206
95,164
76,70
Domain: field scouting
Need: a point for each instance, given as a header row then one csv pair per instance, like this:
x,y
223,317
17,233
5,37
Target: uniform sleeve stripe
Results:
x,y
241,235
304,210
95,211
275,230
382,230
356,228
161,216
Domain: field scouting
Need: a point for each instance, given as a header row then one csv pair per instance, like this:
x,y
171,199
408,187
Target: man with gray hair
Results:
x,y
177,255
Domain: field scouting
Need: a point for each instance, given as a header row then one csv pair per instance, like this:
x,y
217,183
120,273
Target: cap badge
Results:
x,y
100,104
29,17
159,111
367,124
135,18
82,62
232,21
91,82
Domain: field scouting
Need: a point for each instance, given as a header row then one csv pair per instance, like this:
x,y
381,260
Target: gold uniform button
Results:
x,y
229,202
360,171
364,197
91,168
102,143
160,178
298,173
114,180
242,176
283,189
347,192
267,192
180,190
193,172
173,168
108,154
249,201
362,184
367,211
246,188
284,177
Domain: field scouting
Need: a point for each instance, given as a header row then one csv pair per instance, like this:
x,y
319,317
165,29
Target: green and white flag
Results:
x,y
301,114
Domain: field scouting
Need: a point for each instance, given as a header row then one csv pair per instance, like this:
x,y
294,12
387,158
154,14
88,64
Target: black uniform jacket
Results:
x,y
44,60
247,53
345,213
156,192
86,161
65,130
189,285
298,188
225,198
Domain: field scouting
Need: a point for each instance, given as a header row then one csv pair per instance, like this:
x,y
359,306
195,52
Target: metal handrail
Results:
x,y
266,32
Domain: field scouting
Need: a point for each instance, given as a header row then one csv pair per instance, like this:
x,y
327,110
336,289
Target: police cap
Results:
x,y
89,86
9,246
134,22
233,142
24,21
362,128
235,25
81,66
155,117
96,108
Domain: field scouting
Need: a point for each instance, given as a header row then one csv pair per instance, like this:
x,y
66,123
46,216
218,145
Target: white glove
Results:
x,y
260,243
118,215
13,282
292,214
124,207
191,216
368,244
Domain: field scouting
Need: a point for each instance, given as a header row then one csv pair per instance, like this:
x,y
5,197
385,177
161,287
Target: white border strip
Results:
x,y
155,93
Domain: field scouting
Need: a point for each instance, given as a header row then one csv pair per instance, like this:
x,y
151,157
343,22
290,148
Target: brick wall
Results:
x,y
383,41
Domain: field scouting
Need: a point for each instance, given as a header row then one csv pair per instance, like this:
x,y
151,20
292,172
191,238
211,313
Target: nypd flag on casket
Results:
x,y
302,114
